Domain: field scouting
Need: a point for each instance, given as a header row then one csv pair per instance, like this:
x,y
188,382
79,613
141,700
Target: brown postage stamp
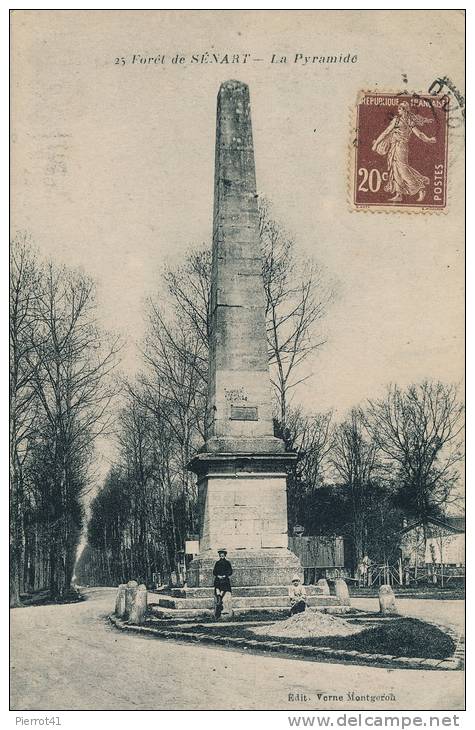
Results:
x,y
400,152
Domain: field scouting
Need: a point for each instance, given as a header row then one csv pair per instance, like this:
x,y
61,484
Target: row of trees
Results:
x,y
396,456
60,393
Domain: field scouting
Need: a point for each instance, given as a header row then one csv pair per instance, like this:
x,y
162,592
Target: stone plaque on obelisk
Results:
x,y
242,466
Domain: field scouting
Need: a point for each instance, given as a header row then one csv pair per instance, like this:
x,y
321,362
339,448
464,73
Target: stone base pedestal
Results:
x,y
250,568
243,508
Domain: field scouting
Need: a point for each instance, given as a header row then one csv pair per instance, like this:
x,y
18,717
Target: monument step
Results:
x,y
247,602
199,613
173,613
238,591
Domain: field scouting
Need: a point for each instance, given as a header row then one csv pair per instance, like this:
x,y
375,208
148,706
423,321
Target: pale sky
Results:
x,y
113,169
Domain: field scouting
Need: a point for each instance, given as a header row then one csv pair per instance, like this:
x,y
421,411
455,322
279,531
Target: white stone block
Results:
x,y
342,592
120,601
139,606
387,601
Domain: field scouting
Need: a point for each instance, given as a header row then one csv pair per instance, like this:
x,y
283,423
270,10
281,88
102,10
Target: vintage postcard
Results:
x,y
237,361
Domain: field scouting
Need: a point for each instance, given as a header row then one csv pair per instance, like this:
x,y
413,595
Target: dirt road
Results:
x,y
70,658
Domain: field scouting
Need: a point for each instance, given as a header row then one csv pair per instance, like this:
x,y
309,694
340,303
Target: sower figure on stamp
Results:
x,y
394,142
222,571
297,596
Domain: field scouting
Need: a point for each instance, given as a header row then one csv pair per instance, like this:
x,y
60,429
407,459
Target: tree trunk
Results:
x,y
14,578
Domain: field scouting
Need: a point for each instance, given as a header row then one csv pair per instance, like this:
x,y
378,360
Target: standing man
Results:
x,y
363,571
222,571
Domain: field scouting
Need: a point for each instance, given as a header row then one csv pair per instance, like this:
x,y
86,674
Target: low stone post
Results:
x,y
387,601
227,611
120,601
324,587
139,606
342,592
131,589
226,605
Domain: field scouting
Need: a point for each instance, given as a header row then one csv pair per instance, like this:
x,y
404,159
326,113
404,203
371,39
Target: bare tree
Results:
x,y
312,440
189,287
354,457
133,531
60,393
419,432
24,280
177,360
176,390
297,298
310,437
74,390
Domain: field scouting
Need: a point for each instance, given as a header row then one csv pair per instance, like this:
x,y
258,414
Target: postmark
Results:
x,y
455,109
400,152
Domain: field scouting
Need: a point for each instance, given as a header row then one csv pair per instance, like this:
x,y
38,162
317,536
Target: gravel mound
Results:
x,y
308,624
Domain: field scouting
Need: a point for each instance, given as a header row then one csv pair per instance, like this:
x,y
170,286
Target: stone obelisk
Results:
x,y
242,467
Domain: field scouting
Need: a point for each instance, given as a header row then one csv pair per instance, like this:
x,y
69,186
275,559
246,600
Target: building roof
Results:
x,y
457,522
453,524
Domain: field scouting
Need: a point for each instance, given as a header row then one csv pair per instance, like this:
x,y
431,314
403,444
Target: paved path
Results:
x,y
70,658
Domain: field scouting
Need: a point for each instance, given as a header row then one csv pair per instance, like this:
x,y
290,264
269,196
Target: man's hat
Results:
x,y
222,550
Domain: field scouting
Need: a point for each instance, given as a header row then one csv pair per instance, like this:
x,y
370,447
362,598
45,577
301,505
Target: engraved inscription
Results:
x,y
234,394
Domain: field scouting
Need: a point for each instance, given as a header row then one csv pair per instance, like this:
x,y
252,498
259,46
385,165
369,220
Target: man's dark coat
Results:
x,y
222,567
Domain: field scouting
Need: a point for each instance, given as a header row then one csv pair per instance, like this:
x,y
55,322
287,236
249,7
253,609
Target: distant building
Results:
x,y
436,548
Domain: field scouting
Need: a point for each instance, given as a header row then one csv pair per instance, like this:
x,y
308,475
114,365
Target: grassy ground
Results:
x,y
43,598
400,637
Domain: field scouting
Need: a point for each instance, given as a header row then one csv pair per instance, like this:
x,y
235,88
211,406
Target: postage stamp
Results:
x,y
400,152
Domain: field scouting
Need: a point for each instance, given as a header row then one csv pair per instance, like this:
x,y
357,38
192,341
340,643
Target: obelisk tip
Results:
x,y
233,85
